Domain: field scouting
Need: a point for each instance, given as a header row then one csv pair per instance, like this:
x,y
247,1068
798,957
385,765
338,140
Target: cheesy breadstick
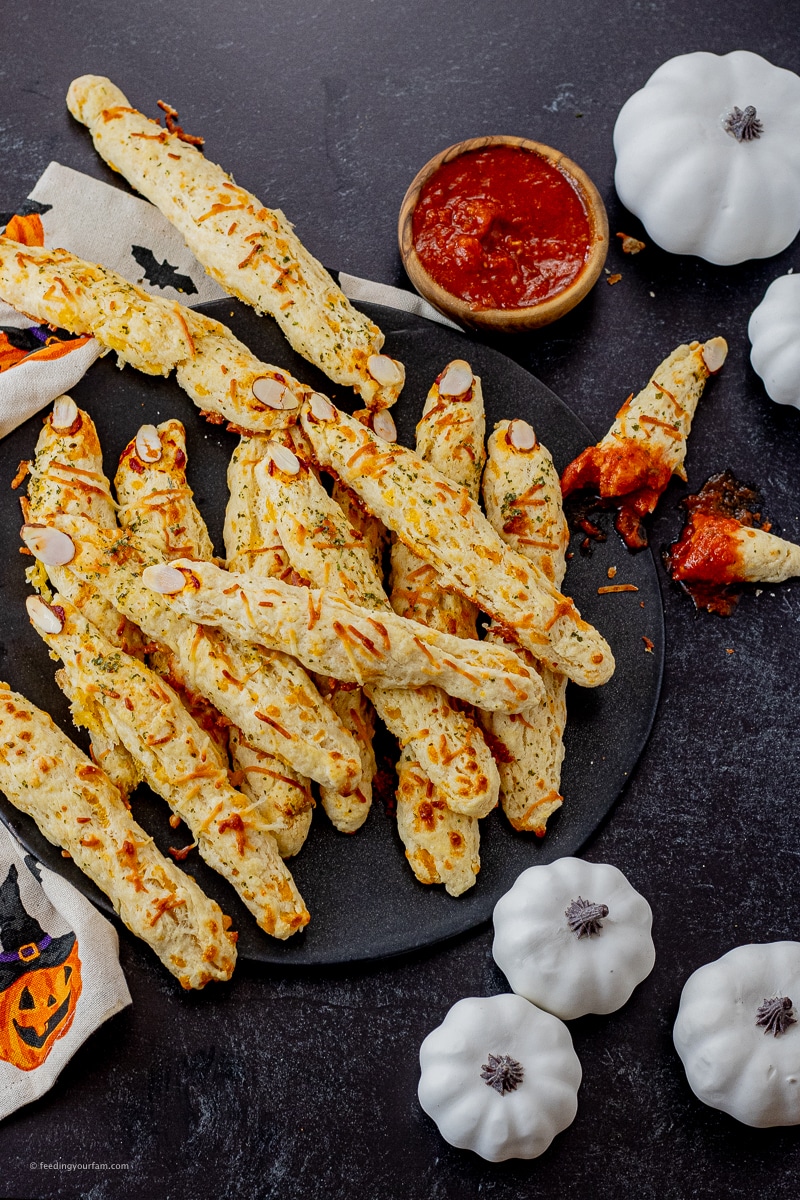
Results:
x,y
523,502
266,694
646,445
223,378
283,795
442,524
441,846
324,548
177,760
343,639
450,436
252,251
76,806
67,476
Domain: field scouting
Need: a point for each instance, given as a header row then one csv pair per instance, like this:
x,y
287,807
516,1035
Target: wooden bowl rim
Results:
x,y
509,319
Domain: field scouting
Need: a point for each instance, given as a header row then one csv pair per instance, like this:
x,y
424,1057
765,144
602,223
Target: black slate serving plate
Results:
x,y
365,904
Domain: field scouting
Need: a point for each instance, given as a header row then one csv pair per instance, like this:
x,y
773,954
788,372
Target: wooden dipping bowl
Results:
x,y
508,320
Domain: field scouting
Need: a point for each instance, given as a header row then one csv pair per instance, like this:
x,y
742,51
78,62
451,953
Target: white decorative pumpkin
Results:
x,y
738,1035
774,332
499,1077
573,937
708,156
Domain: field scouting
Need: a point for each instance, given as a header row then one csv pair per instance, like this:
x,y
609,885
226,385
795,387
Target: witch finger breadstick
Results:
x,y
445,527
646,445
178,762
523,502
76,806
266,694
252,251
223,378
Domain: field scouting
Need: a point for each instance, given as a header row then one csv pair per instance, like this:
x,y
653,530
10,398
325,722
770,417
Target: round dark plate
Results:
x,y
364,902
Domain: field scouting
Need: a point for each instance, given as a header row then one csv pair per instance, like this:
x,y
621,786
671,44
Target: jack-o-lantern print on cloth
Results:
x,y
40,981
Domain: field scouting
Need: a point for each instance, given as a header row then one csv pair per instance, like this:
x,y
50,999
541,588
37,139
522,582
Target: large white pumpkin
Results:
x,y
738,1035
704,174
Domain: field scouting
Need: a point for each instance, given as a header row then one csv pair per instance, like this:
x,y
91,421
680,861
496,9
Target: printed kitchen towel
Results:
x,y
104,224
60,976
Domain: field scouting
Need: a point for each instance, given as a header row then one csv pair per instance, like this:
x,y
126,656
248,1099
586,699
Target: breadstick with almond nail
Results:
x,y
217,371
177,760
251,251
522,496
325,549
441,523
77,807
265,693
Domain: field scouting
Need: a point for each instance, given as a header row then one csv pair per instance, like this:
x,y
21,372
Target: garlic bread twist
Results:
x,y
251,251
445,527
522,495
217,371
77,807
178,761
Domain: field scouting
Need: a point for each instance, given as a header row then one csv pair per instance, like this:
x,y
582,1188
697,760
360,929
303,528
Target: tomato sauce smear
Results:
x,y
501,228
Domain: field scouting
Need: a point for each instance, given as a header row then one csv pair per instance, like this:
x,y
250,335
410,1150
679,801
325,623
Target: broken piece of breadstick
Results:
x,y
223,378
252,251
177,760
441,523
441,846
523,502
76,806
646,445
324,548
265,693
339,638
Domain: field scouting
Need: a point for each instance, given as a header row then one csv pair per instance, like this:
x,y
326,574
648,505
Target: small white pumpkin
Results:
x,y
738,1035
774,332
573,937
499,1077
708,156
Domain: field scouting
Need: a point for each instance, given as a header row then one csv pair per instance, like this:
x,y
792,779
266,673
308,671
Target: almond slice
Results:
x,y
64,414
164,579
521,435
383,425
457,378
283,458
274,394
50,546
43,616
148,444
385,370
321,407
714,352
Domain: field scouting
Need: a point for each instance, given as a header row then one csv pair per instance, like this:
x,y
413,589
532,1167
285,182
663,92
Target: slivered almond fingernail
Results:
x,y
521,435
274,394
49,545
383,425
43,615
64,414
164,579
321,407
457,378
714,352
283,458
385,370
148,444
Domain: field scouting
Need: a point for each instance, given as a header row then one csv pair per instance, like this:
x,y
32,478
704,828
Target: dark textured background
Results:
x,y
304,1086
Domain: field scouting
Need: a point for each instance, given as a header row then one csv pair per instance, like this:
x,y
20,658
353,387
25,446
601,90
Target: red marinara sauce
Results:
x,y
501,228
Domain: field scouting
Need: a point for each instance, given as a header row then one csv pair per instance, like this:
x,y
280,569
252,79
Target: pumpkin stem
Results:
x,y
776,1015
585,918
743,124
503,1073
